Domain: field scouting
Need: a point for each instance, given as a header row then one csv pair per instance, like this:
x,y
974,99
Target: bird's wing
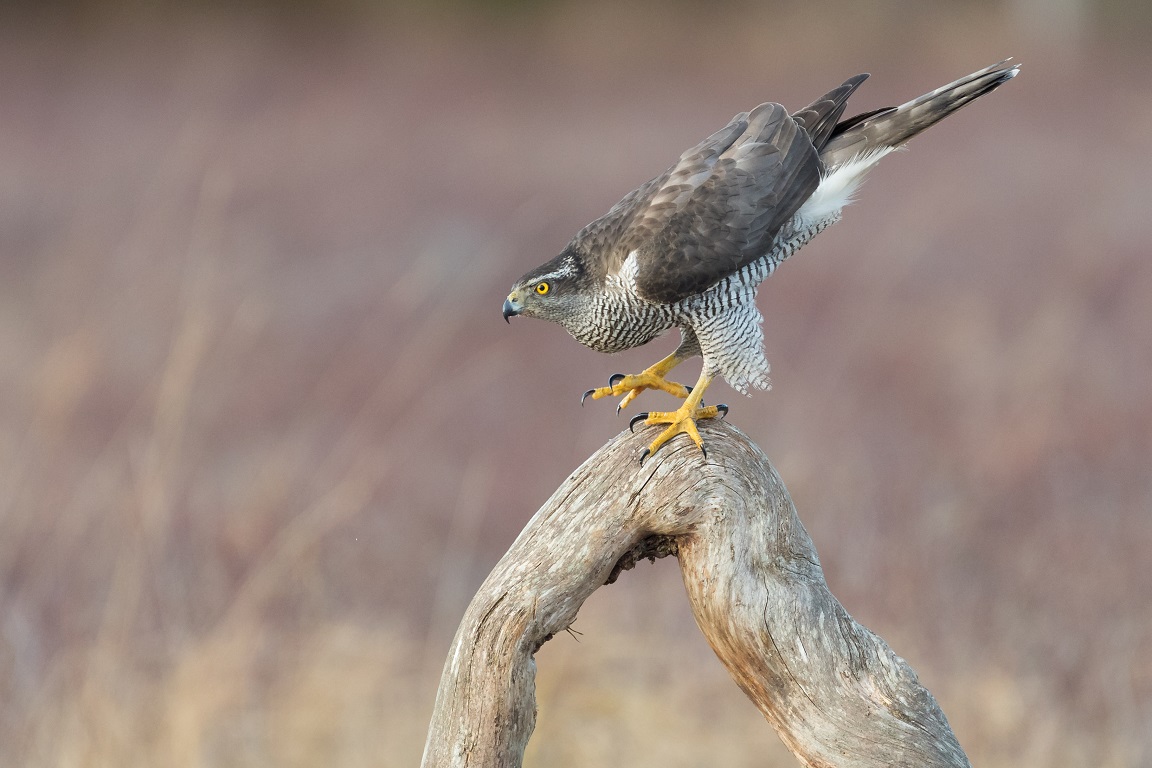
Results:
x,y
720,207
643,212
820,117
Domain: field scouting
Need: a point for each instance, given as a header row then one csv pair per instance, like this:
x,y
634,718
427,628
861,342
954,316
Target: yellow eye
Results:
x,y
543,288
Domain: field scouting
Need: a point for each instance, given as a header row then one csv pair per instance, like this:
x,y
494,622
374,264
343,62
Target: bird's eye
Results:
x,y
543,288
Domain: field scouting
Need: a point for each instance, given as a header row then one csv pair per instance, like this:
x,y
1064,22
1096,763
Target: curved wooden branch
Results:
x,y
834,691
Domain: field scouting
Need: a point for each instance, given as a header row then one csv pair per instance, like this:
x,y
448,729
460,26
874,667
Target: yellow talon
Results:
x,y
628,387
683,420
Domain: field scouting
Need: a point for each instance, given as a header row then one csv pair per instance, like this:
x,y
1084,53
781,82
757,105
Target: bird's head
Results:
x,y
553,291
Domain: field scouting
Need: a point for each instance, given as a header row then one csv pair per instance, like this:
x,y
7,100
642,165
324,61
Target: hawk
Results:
x,y
689,248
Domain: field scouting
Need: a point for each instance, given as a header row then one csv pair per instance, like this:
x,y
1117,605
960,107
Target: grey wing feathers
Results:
x,y
644,211
894,126
732,200
821,116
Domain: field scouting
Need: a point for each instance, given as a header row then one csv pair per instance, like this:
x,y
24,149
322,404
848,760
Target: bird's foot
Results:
x,y
628,387
681,421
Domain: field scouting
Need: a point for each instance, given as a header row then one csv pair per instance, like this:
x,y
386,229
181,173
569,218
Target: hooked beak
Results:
x,y
511,308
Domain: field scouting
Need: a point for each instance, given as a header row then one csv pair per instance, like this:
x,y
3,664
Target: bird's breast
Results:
x,y
616,318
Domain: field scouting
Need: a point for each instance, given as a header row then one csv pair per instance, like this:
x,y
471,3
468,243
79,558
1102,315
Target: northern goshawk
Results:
x,y
689,248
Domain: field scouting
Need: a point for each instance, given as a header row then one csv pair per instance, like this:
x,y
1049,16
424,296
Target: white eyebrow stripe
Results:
x,y
550,276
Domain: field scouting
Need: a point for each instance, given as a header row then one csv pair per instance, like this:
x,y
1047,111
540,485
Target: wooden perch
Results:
x,y
834,691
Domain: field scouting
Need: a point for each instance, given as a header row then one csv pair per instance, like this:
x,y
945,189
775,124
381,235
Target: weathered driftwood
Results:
x,y
834,691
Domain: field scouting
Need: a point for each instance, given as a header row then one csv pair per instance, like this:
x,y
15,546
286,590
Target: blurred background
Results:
x,y
263,431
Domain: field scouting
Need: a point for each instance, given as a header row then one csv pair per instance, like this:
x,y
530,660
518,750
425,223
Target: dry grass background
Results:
x,y
263,431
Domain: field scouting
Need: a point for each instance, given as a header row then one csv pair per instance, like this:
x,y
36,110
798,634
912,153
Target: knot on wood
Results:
x,y
651,549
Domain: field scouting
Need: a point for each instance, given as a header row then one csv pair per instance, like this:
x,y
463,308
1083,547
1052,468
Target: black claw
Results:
x,y
584,397
636,418
688,388
644,455
614,377
618,407
704,451
723,411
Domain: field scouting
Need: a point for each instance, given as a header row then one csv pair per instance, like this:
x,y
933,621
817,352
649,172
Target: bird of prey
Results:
x,y
689,248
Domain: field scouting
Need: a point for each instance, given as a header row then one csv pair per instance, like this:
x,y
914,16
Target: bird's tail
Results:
x,y
881,130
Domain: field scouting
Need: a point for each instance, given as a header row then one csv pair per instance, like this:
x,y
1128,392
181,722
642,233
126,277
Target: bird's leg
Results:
x,y
651,377
683,419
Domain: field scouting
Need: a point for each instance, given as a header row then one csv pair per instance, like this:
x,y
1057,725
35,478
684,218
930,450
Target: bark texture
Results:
x,y
834,691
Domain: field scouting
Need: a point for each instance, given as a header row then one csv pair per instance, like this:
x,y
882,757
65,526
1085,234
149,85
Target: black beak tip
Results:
x,y
508,311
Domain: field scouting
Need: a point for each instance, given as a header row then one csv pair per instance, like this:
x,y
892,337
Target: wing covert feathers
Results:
x,y
731,216
637,218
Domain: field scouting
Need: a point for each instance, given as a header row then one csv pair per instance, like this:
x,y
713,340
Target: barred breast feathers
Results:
x,y
732,344
617,318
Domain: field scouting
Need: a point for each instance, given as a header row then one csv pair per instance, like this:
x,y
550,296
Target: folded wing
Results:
x,y
722,205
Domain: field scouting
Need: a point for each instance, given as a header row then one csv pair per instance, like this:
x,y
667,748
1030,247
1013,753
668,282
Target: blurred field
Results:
x,y
263,431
